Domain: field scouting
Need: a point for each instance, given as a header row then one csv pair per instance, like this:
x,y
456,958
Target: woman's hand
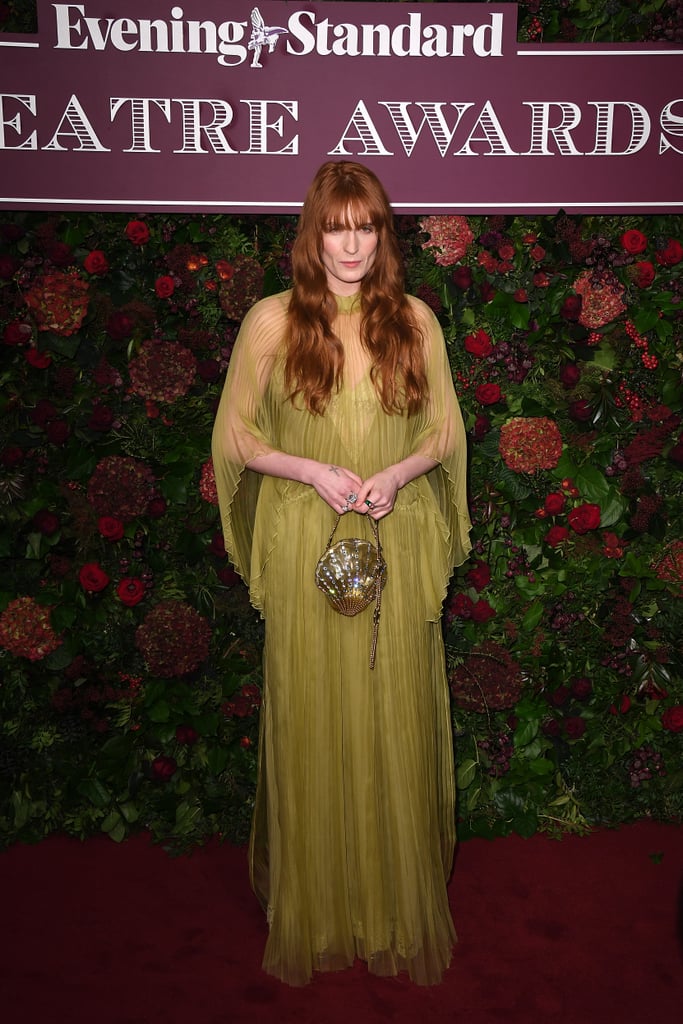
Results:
x,y
337,486
377,494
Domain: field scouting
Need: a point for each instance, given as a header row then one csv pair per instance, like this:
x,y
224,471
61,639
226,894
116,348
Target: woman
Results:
x,y
339,401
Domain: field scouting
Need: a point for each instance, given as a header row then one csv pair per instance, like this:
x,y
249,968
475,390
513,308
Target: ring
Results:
x,y
346,508
369,503
352,498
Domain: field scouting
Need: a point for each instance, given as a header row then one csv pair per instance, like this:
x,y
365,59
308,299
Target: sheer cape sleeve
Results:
x,y
241,431
441,436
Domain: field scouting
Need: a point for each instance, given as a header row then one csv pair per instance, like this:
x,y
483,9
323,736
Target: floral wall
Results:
x,y
129,654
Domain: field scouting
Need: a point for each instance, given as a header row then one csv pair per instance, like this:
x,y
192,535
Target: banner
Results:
x,y
231,107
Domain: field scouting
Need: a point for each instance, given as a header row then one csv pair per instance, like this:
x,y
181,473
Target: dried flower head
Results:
x,y
59,301
528,444
602,300
162,371
173,639
121,486
450,236
488,679
26,630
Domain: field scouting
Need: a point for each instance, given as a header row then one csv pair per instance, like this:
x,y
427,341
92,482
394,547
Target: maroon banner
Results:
x,y
155,106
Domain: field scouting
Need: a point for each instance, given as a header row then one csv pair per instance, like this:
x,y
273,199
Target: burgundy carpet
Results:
x,y
581,930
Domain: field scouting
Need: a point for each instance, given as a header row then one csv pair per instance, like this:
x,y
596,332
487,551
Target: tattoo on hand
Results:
x,y
333,469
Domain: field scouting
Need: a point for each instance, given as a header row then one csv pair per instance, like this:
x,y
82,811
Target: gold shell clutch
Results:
x,y
351,574
347,574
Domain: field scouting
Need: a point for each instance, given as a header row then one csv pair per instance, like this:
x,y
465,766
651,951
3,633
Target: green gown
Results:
x,y
354,825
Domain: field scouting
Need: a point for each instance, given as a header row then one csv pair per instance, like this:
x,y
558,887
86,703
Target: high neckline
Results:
x,y
348,303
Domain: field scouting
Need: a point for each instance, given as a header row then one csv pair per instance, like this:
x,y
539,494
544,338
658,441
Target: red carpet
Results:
x,y
580,930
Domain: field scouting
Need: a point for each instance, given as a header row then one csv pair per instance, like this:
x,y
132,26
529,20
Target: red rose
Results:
x,y
574,727
672,719
482,425
488,394
482,611
550,727
8,267
537,253
643,274
137,232
110,527
217,545
120,326
228,576
580,411
571,307
582,688
43,411
209,370
478,344
92,578
624,705
554,503
45,522
163,768
96,262
57,431
570,374
559,697
461,606
130,591
186,734
479,576
12,456
584,518
164,286
462,278
101,418
156,507
634,241
521,295
38,360
556,535
17,333
487,292
60,253
671,254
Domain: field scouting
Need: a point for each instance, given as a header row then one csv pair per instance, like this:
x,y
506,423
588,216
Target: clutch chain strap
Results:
x,y
378,583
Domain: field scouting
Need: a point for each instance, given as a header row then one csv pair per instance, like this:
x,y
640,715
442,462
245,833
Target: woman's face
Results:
x,y
347,255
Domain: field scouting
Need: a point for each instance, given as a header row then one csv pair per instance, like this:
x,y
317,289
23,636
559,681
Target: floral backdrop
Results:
x,y
129,654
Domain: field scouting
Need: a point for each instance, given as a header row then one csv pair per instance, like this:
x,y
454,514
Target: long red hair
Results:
x,y
345,194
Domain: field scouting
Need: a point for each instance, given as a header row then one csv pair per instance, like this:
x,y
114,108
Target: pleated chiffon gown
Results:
x,y
353,830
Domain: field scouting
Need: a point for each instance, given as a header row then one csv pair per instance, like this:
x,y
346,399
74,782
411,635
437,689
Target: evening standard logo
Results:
x,y
306,32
